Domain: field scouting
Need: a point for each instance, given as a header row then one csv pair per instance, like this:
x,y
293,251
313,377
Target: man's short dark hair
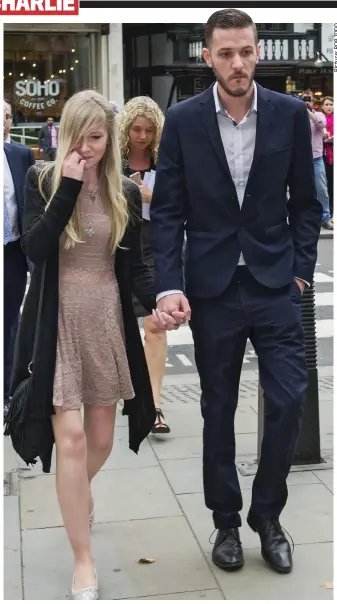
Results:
x,y
308,92
228,18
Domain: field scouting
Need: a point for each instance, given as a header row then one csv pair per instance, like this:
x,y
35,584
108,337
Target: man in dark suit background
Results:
x,y
225,161
17,160
8,121
48,139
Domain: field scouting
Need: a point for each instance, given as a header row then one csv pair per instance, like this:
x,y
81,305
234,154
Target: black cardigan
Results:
x,y
40,241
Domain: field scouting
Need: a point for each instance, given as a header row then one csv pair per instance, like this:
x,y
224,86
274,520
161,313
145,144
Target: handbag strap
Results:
x,y
38,319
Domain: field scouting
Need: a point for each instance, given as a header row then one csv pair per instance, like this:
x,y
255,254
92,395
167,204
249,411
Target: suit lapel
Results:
x,y
13,168
265,111
210,122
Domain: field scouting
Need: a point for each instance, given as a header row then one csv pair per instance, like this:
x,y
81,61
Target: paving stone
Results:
x,y
12,537
313,571
137,514
305,523
12,575
119,495
210,594
179,564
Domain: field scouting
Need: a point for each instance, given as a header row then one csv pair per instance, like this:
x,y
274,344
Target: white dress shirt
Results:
x,y
239,143
9,196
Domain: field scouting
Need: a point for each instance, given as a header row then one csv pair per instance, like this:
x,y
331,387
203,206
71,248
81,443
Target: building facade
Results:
x,y
165,60
45,64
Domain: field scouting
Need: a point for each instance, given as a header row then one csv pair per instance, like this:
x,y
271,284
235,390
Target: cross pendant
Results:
x,y
90,231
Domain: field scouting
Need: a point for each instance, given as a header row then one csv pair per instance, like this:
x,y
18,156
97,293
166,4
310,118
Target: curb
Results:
x,y
326,235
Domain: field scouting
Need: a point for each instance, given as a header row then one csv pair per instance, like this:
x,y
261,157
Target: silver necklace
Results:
x,y
90,231
93,193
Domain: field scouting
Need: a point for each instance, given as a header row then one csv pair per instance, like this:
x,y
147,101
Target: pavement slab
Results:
x,y
179,564
119,495
311,578
306,523
12,549
152,505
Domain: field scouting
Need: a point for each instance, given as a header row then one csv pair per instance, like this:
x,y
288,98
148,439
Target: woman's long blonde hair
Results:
x,y
84,112
139,106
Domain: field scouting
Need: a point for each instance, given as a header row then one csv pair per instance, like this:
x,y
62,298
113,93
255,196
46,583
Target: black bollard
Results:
x,y
309,447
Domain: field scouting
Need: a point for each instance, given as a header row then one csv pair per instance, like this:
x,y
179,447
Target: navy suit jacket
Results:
x,y
194,191
19,158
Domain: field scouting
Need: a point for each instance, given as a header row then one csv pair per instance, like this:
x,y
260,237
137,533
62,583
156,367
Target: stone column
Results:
x,y
115,90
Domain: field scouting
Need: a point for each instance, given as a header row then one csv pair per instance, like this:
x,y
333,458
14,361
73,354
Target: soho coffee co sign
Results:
x,y
37,95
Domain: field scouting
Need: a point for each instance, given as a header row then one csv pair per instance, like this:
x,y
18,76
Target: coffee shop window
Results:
x,y
41,71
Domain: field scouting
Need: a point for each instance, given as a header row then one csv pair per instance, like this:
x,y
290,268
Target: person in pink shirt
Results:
x,y
327,108
48,140
318,128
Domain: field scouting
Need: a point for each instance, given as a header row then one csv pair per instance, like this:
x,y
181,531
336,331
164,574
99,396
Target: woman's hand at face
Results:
x,y
73,166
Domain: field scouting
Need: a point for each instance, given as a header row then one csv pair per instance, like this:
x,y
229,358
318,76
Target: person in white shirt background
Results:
x,y
140,126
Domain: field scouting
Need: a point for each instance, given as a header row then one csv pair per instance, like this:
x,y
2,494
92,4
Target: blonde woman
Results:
x,y
83,219
140,126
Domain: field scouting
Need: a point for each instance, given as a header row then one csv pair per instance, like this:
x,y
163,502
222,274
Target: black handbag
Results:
x,y
31,437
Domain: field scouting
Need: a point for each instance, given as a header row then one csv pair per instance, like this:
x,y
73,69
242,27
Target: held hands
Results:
x,y
146,193
172,310
73,166
300,284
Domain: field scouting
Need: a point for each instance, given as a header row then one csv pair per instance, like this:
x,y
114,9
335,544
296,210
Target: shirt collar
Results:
x,y
219,108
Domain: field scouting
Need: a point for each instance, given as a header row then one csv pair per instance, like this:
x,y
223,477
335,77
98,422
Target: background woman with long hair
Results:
x,y
140,126
83,219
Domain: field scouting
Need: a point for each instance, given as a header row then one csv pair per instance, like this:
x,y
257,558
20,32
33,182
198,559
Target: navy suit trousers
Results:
x,y
271,319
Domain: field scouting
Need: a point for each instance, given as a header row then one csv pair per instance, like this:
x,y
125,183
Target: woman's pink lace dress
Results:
x,y
91,361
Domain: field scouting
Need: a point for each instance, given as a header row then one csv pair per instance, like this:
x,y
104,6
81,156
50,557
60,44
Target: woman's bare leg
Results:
x,y
73,490
99,426
155,351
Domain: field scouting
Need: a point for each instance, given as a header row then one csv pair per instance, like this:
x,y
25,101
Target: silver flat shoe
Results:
x,y
92,513
86,593
92,518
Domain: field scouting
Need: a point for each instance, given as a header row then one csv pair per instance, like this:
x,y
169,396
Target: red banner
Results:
x,y
39,7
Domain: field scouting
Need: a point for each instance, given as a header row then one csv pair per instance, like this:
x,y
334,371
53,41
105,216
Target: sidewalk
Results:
x,y
152,506
325,234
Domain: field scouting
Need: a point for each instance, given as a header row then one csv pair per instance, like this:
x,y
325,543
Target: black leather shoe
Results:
x,y
275,547
227,551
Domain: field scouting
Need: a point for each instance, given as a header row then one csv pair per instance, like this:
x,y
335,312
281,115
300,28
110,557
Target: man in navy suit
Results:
x,y
17,160
225,161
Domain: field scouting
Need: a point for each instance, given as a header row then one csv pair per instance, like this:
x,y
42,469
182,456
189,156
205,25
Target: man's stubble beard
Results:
x,y
234,93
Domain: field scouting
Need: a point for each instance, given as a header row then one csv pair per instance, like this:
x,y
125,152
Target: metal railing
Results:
x,y
22,138
18,135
